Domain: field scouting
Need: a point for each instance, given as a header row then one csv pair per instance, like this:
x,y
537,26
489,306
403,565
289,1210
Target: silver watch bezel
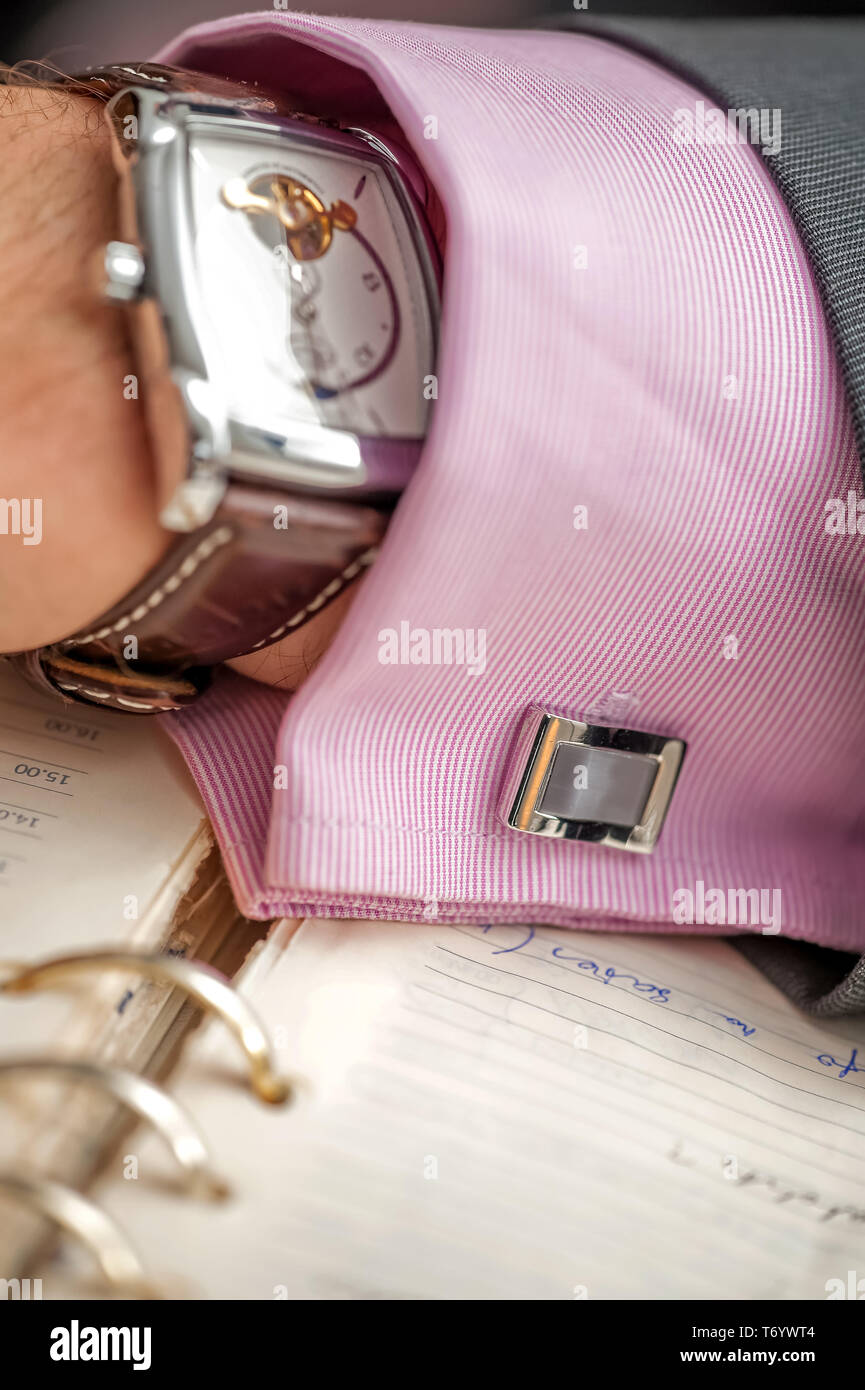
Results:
x,y
156,217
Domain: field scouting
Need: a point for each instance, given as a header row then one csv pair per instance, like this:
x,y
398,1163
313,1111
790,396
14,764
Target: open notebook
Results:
x,y
103,843
507,1113
516,1114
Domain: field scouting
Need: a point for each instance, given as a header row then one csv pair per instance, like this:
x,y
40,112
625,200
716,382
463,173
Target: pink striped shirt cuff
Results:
x,y
630,326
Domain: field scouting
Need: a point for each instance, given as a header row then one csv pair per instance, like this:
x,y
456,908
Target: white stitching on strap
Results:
x,y
80,690
208,546
320,599
188,566
140,704
98,695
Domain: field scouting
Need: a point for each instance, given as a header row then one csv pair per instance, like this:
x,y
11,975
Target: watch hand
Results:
x,y
237,194
298,209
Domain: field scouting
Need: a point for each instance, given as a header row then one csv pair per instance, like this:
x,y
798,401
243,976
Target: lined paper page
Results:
x,y
98,818
518,1113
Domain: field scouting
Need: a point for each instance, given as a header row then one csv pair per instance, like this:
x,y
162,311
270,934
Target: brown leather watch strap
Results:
x,y
264,565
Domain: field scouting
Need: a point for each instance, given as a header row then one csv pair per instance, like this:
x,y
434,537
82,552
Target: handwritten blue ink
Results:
x,y
505,950
177,951
661,993
737,1023
845,1067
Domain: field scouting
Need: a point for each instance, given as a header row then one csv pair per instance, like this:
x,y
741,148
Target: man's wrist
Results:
x,y
76,457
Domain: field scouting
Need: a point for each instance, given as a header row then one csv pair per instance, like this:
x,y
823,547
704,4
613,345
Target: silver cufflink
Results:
x,y
578,781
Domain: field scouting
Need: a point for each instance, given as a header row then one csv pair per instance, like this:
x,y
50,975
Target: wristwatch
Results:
x,y
282,274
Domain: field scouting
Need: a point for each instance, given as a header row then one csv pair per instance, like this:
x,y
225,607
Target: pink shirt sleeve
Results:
x,y
630,326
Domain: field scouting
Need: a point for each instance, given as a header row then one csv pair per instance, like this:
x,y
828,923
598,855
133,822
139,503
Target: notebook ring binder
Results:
x,y
201,982
79,1216
149,1102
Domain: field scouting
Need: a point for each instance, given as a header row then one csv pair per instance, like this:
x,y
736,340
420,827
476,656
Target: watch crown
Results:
x,y
193,503
120,271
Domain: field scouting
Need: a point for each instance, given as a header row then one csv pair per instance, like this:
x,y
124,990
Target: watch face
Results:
x,y
314,299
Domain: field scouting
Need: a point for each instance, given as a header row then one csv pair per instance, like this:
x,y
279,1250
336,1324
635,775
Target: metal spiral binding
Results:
x,y
148,1101
205,985
67,1207
83,1219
